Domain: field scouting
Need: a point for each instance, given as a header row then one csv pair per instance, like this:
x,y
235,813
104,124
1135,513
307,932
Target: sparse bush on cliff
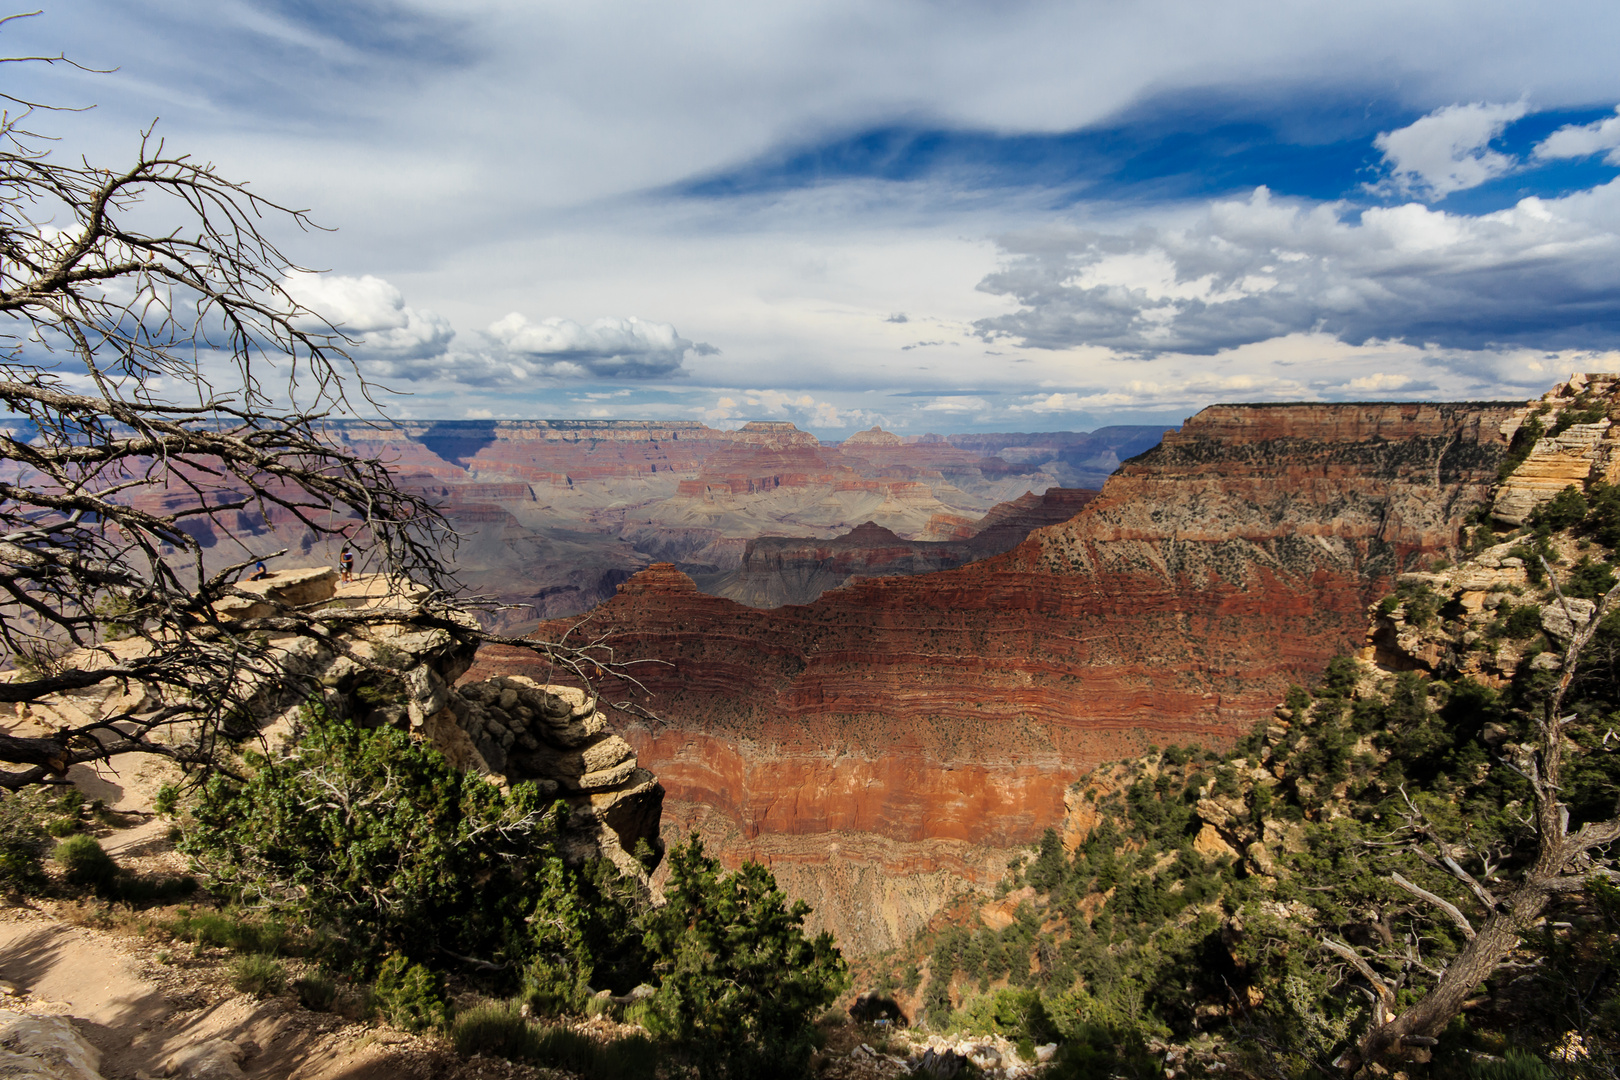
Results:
x,y
259,975
86,865
23,842
410,996
1317,816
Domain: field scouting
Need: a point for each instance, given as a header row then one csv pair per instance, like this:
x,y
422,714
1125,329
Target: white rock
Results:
x,y
45,1048
1557,622
216,1059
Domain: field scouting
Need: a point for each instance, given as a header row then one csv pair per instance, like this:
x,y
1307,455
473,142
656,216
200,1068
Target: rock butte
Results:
x,y
898,736
779,570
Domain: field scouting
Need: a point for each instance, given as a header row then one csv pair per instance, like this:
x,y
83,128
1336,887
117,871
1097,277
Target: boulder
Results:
x,y
45,1048
1557,622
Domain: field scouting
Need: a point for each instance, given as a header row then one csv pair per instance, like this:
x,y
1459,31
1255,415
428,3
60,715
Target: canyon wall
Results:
x,y
897,737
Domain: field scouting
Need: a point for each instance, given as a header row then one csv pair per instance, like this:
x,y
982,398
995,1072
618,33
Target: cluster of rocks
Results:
x,y
937,1058
557,737
1457,643
1579,453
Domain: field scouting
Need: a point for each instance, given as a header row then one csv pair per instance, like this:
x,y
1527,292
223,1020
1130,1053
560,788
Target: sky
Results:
x,y
931,215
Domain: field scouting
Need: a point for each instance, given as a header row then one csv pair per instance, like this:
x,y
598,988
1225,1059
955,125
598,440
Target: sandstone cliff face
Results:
x,y
940,717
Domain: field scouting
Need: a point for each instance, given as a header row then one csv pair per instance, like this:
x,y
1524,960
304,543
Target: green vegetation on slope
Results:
x,y
1196,908
407,869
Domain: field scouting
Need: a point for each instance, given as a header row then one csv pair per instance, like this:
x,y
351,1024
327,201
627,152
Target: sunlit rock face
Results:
x,y
894,739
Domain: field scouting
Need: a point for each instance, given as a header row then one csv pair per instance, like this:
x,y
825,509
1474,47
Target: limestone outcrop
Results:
x,y
45,1048
944,714
402,674
1580,444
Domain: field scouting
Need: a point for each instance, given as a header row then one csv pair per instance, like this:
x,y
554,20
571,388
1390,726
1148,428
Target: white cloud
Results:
x,y
1583,140
1379,380
1544,273
1448,150
371,311
611,346
804,409
956,405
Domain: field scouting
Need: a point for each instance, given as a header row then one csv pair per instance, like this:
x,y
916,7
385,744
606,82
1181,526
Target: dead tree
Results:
x,y
1562,863
158,374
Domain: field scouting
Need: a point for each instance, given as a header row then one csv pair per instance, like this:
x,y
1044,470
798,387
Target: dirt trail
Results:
x,y
139,1011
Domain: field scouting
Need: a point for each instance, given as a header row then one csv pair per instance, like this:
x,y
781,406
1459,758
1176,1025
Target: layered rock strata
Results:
x,y
931,723
1579,446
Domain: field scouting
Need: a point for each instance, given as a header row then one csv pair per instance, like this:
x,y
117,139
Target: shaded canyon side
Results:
x,y
893,741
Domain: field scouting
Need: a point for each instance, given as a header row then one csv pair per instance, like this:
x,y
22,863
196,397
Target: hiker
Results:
x,y
346,564
259,572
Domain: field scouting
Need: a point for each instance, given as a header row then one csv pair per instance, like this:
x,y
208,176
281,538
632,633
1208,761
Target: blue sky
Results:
x,y
937,216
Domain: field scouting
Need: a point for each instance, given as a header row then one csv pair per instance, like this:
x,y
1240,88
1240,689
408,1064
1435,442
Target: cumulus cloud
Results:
x,y
612,347
373,312
1544,273
1583,140
1448,150
803,409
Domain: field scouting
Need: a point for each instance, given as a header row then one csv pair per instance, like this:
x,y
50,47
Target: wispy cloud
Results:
x,y
1448,150
1583,140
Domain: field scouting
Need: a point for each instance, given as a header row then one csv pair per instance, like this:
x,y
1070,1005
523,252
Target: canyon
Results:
x,y
553,515
901,737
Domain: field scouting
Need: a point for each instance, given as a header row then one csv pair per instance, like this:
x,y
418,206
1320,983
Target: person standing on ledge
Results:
x,y
346,563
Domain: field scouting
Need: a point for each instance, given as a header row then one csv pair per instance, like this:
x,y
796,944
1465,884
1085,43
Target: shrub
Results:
x,y
23,844
415,855
63,826
258,975
86,866
1564,510
634,1057
1515,1065
316,992
410,996
1522,621
229,930
631,1057
495,1028
167,800
741,982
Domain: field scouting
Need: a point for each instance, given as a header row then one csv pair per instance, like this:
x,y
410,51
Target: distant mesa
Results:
x,y
873,436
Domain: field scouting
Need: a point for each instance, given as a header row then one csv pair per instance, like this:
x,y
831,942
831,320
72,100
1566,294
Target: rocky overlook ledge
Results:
x,y
509,728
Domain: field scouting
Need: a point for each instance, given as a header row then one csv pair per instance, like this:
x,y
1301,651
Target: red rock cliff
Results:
x,y
925,724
